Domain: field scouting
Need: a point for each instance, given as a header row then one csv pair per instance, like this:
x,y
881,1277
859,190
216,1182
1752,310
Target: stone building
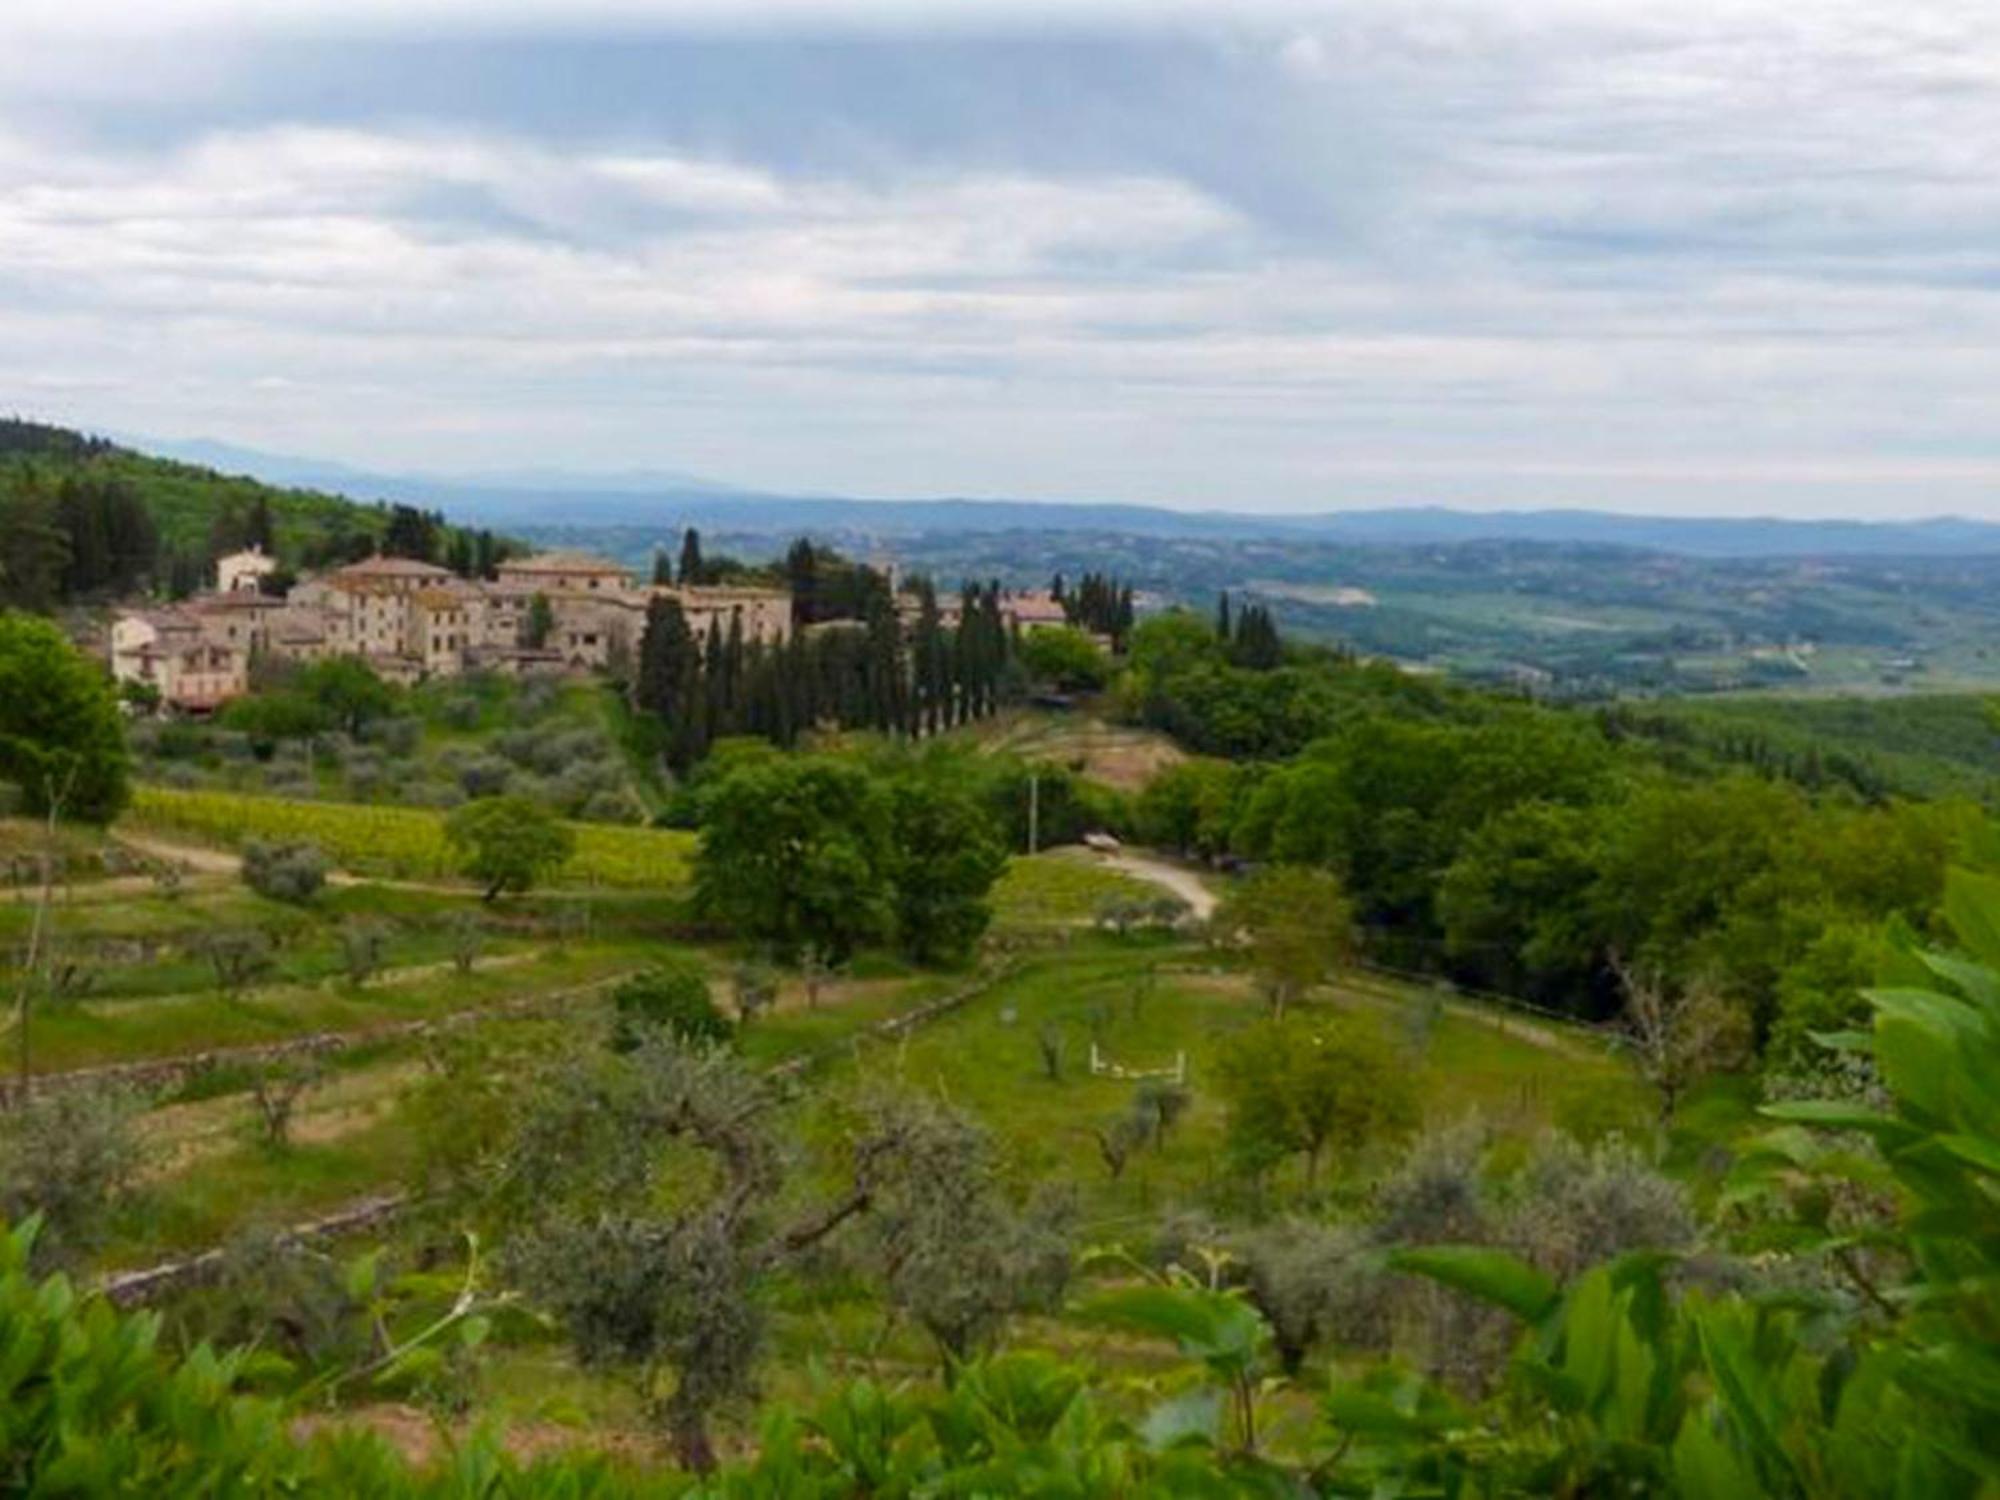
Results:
x,y
244,572
170,652
766,614
410,620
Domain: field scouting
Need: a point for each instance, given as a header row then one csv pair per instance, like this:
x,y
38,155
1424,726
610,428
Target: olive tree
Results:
x,y
276,1088
666,1287
953,1251
238,956
466,933
363,944
284,871
753,989
72,1157
1315,1284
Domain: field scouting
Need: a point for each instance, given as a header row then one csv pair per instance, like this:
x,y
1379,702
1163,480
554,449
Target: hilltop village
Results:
x,y
551,612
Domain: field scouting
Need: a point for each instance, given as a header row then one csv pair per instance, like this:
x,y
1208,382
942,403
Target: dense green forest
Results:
x,y
83,519
1556,854
1915,745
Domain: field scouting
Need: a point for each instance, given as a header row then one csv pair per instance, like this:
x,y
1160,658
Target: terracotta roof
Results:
x,y
722,593
205,604
562,562
1035,609
390,567
162,619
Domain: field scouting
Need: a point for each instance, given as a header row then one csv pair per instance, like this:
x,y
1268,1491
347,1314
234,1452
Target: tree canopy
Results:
x,y
61,742
507,843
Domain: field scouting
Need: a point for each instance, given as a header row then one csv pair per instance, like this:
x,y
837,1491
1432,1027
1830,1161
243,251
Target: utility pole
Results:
x,y
1034,810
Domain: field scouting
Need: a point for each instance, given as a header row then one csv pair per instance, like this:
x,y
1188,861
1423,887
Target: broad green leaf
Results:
x,y
358,1277
1749,1391
1222,1330
1193,1417
1972,906
1364,1412
1978,982
1706,1465
1832,1114
1981,1152
1490,1275
1860,1043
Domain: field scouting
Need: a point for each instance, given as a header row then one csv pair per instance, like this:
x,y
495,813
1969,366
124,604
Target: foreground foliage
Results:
x,y
1653,1373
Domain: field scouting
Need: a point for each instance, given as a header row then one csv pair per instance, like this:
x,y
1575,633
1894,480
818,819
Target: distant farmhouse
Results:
x,y
412,620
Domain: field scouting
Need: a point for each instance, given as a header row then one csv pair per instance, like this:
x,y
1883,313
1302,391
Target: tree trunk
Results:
x,y
692,1448
31,961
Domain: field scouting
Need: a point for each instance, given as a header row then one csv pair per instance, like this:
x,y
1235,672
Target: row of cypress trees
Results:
x,y
851,673
1099,603
1251,636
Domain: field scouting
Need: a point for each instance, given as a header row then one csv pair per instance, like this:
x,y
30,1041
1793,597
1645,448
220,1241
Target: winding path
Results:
x,y
1178,879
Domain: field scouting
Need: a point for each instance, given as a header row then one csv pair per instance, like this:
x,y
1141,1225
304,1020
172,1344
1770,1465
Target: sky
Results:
x,y
1694,258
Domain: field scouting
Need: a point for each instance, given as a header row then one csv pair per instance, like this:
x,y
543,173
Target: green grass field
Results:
x,y
1146,1002
1060,887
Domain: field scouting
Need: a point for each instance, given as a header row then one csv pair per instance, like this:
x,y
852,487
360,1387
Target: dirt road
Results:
x,y
1179,879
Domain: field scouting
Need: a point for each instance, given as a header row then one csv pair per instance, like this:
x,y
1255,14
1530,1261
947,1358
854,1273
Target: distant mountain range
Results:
x,y
669,500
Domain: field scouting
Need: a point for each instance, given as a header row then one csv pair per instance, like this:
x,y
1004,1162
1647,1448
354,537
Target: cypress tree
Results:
x,y
665,651
257,530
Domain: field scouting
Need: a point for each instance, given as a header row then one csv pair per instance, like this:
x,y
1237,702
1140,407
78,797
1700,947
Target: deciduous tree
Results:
x,y
1295,924
1297,1089
507,843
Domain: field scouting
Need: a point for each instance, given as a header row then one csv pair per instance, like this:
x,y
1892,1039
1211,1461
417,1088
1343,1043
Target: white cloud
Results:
x,y
1528,249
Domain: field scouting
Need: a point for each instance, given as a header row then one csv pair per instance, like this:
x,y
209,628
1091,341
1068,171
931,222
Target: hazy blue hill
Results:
x,y
668,499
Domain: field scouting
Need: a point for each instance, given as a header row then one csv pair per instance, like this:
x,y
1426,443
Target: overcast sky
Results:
x,y
1693,257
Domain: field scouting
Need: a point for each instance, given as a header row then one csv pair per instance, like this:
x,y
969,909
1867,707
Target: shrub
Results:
x,y
754,989
399,737
237,955
362,946
72,1157
460,712
614,806
673,999
276,1088
1578,1207
484,776
467,934
1315,1284
290,871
